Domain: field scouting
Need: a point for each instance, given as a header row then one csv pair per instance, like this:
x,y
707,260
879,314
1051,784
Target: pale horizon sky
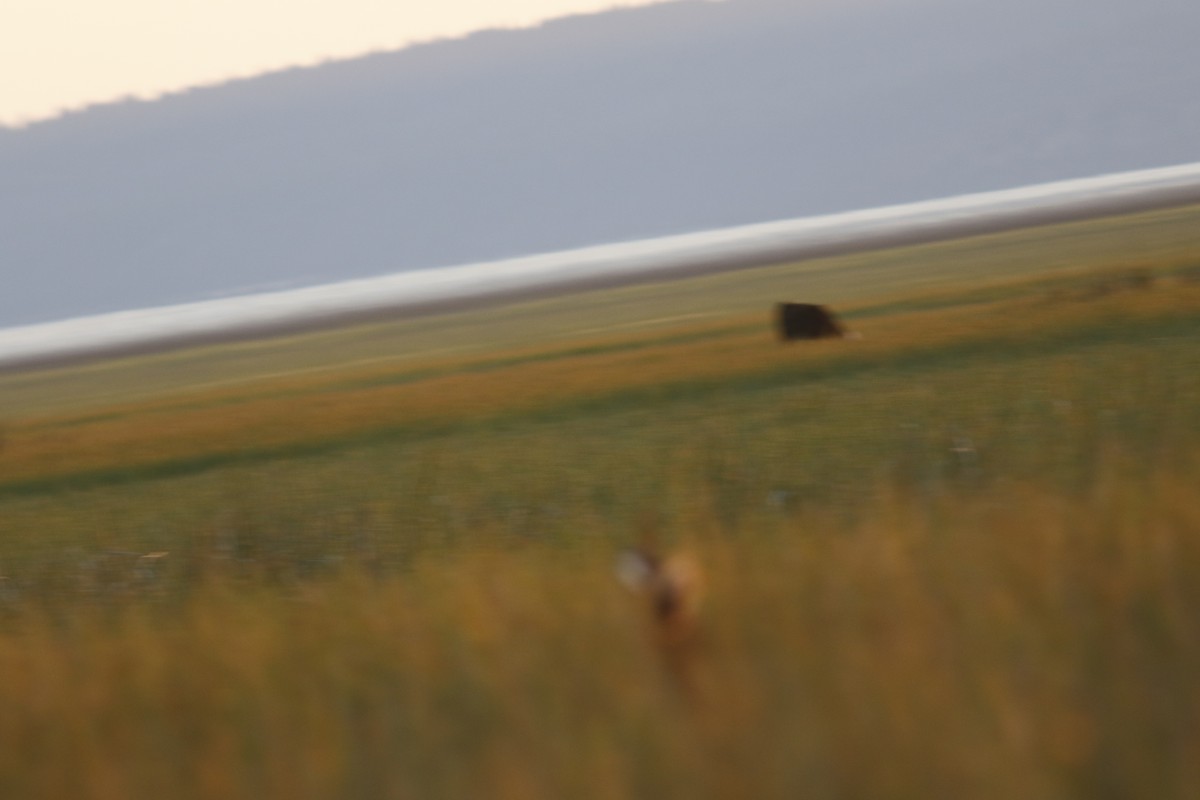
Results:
x,y
61,55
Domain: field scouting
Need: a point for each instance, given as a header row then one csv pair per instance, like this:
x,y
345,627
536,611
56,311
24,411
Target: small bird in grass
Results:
x,y
673,586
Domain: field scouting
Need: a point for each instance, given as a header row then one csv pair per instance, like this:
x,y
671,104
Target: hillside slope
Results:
x,y
633,123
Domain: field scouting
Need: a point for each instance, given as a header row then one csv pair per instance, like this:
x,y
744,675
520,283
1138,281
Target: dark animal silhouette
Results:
x,y
806,321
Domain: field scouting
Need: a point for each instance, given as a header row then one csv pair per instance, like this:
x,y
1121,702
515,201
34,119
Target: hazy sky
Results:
x,y
63,54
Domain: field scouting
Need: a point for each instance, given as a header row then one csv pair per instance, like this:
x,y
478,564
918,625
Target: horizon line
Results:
x,y
434,290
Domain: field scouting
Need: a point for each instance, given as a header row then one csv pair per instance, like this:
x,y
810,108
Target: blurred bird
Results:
x,y
673,587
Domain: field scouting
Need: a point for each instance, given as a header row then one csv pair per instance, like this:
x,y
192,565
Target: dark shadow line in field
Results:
x,y
887,364
485,365
407,377
852,365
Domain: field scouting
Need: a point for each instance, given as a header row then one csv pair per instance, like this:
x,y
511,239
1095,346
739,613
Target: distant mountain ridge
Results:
x,y
624,125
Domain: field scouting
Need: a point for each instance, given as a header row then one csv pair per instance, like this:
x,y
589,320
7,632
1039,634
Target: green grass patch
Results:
x,y
959,557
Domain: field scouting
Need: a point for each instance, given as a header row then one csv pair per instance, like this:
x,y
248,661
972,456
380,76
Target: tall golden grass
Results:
x,y
1008,643
958,558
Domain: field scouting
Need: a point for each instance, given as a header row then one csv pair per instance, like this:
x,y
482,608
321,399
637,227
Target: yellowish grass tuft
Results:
x,y
958,558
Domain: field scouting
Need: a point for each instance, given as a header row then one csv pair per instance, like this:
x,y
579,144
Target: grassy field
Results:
x,y
959,557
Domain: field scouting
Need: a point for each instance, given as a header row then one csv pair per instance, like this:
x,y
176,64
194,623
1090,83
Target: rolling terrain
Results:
x,y
638,123
472,286
957,557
